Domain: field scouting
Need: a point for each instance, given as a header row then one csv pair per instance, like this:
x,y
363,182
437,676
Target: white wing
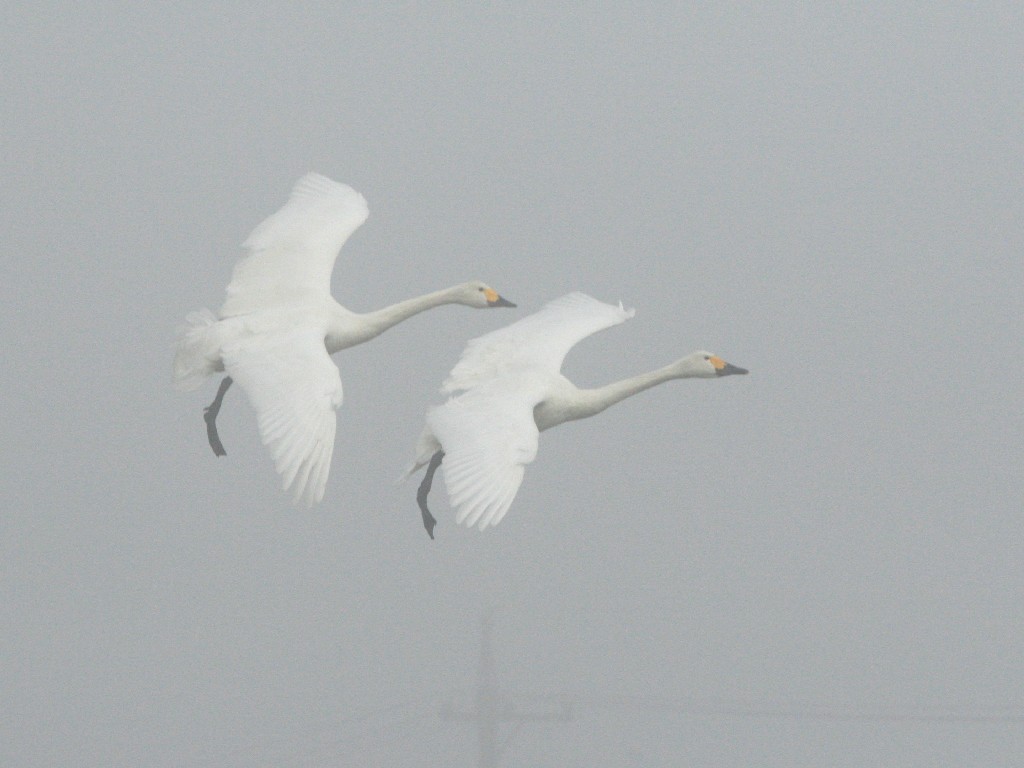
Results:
x,y
489,436
292,252
541,340
294,388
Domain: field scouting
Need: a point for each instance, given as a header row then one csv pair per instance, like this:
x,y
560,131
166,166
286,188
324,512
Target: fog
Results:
x,y
816,564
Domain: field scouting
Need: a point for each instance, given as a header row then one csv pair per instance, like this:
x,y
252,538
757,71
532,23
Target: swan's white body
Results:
x,y
279,325
507,388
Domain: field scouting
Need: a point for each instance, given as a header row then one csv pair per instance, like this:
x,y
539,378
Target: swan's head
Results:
x,y
480,295
707,365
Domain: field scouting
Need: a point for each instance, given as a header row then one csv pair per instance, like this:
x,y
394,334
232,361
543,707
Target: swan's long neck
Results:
x,y
382,319
597,400
578,403
346,328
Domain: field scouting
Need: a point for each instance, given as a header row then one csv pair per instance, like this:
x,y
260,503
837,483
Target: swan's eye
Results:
x,y
480,289
707,357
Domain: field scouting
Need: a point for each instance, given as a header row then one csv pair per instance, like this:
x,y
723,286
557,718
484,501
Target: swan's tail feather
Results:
x,y
426,447
196,353
410,470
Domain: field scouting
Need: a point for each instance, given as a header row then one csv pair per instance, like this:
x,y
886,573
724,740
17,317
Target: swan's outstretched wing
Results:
x,y
295,388
292,252
488,436
541,340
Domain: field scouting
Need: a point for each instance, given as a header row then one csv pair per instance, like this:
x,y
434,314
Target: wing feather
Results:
x,y
541,340
295,389
292,252
488,436
500,507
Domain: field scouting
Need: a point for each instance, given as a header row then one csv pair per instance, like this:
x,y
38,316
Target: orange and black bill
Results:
x,y
494,300
723,368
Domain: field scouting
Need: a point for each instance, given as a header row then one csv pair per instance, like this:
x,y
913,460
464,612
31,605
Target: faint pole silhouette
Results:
x,y
492,707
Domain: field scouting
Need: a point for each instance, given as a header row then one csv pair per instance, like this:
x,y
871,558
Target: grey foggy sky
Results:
x,y
830,196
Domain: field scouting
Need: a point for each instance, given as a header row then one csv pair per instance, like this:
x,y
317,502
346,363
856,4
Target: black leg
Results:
x,y
421,495
210,416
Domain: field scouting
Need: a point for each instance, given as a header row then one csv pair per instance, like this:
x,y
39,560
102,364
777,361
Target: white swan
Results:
x,y
507,389
279,325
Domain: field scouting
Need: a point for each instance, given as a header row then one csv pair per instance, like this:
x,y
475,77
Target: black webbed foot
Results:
x,y
210,417
429,522
421,495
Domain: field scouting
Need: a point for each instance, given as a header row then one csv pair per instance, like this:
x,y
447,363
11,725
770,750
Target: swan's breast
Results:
x,y
563,402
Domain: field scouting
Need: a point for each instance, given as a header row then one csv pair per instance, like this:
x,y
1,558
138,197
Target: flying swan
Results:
x,y
506,389
279,325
